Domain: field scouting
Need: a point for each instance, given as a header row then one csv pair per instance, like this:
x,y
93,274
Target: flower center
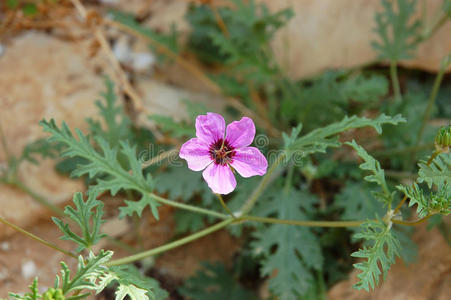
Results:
x,y
221,152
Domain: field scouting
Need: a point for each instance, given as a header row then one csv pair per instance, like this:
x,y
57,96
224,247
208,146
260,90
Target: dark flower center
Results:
x,y
222,152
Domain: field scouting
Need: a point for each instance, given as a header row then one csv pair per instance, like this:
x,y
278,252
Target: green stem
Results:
x,y
172,245
412,223
41,200
260,188
36,238
189,207
303,223
395,81
226,208
4,144
431,102
288,180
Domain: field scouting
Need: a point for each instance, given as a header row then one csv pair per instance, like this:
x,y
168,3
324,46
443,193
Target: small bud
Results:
x,y
52,294
443,139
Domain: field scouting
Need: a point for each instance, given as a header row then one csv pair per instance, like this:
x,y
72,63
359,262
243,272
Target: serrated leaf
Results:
x,y
397,32
378,175
438,172
106,163
92,267
88,216
320,139
297,252
379,254
357,202
214,282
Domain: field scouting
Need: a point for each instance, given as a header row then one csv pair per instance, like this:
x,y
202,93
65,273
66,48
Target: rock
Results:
x,y
323,36
42,77
428,278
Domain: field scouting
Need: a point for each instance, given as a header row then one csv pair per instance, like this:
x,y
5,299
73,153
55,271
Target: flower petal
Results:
x,y
219,178
249,161
240,133
210,127
196,154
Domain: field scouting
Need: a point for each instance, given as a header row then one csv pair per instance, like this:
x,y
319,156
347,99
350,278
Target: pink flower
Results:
x,y
219,151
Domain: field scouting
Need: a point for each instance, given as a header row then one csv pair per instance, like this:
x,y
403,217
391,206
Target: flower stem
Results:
x,y
171,245
260,188
395,81
36,238
189,207
303,223
162,156
226,208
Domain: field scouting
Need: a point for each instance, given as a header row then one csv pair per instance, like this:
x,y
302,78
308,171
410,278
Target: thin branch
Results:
x,y
36,238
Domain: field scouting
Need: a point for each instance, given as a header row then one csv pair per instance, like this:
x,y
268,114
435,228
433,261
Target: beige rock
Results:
x,y
428,278
42,77
337,34
325,34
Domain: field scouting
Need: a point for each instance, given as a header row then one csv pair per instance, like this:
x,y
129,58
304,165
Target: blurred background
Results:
x,y
55,54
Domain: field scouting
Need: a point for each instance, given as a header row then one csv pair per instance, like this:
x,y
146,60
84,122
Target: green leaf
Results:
x,y
87,269
117,123
435,202
379,254
438,172
174,128
12,3
30,9
32,295
88,215
107,164
290,253
131,291
378,176
214,282
320,139
398,34
358,202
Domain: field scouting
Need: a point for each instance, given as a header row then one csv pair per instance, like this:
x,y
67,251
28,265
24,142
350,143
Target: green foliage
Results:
x,y
320,139
297,251
117,123
358,202
106,163
378,175
438,172
88,215
437,176
91,267
397,32
215,282
379,254
130,283
32,295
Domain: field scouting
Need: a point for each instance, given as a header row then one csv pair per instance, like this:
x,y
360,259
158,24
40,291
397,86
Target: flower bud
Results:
x,y
443,139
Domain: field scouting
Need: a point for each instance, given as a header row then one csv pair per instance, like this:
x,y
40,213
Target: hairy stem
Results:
x,y
189,207
171,245
304,223
395,81
431,102
412,223
36,238
226,208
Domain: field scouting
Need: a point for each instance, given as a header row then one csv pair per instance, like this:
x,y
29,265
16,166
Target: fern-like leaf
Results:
x,y
379,253
107,163
88,215
378,176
